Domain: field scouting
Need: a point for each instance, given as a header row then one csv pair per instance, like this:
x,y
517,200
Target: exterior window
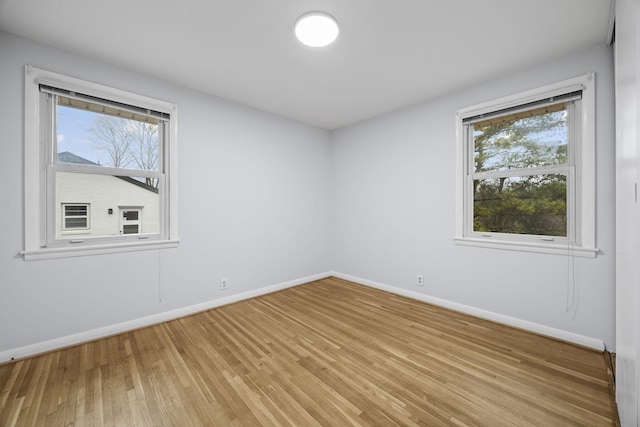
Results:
x,y
527,168
131,221
104,146
520,171
75,217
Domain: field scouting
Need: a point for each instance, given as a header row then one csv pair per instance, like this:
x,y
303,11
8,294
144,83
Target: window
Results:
x,y
131,221
75,217
106,147
526,171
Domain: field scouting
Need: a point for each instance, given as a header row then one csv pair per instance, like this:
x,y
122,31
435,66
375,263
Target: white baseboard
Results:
x,y
484,314
82,337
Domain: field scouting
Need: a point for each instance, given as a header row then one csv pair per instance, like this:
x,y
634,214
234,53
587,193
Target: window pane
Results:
x,y
106,194
93,134
75,223
130,229
76,217
130,215
526,139
534,204
75,210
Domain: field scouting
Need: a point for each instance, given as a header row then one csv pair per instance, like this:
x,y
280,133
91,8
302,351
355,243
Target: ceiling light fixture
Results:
x,y
316,29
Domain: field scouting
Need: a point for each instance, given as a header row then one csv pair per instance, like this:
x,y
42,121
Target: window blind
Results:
x,y
539,105
93,103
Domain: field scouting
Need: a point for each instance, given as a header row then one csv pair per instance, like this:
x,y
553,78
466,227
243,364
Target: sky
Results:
x,y
504,156
73,134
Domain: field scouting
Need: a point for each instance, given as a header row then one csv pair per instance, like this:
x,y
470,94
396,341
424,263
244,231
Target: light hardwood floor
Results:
x,y
325,353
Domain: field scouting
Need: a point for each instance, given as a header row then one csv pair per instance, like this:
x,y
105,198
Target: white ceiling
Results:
x,y
390,53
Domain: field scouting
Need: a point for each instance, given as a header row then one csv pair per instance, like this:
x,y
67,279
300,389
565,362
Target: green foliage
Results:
x,y
534,141
525,204
536,205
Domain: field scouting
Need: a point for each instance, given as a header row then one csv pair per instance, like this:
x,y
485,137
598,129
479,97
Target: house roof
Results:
x,y
69,157
138,183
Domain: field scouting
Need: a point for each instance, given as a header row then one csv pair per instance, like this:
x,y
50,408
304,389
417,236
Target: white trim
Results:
x,y
64,217
484,314
585,181
49,78
33,227
555,249
104,170
540,170
137,222
35,202
94,334
75,251
532,95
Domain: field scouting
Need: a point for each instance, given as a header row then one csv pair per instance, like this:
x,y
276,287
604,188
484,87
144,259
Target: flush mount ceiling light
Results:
x,y
316,29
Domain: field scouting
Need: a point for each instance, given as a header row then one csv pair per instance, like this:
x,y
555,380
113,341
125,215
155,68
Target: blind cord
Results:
x,y
572,267
160,288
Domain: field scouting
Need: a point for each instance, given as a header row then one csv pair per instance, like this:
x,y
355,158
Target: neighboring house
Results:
x,y
103,205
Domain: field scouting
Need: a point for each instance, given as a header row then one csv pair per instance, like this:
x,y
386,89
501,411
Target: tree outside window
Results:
x,y
511,191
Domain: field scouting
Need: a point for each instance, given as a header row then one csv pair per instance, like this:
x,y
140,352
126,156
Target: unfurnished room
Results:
x,y
305,213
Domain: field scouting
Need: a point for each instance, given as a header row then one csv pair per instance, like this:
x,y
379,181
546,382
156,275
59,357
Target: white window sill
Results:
x,y
554,249
75,251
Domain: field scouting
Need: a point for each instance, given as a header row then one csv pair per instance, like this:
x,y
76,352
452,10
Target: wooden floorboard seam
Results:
x,y
330,352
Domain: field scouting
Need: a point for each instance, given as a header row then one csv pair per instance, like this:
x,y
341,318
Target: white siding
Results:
x,y
104,192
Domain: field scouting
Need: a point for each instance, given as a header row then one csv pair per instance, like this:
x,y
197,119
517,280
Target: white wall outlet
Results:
x,y
419,280
224,284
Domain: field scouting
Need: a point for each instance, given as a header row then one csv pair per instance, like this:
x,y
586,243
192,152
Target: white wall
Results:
x,y
628,213
393,211
264,201
253,197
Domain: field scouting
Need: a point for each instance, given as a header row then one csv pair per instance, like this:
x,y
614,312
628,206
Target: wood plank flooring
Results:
x,y
329,353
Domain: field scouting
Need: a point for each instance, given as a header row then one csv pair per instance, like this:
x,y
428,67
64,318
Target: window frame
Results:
x,y
39,209
63,218
580,240
122,222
